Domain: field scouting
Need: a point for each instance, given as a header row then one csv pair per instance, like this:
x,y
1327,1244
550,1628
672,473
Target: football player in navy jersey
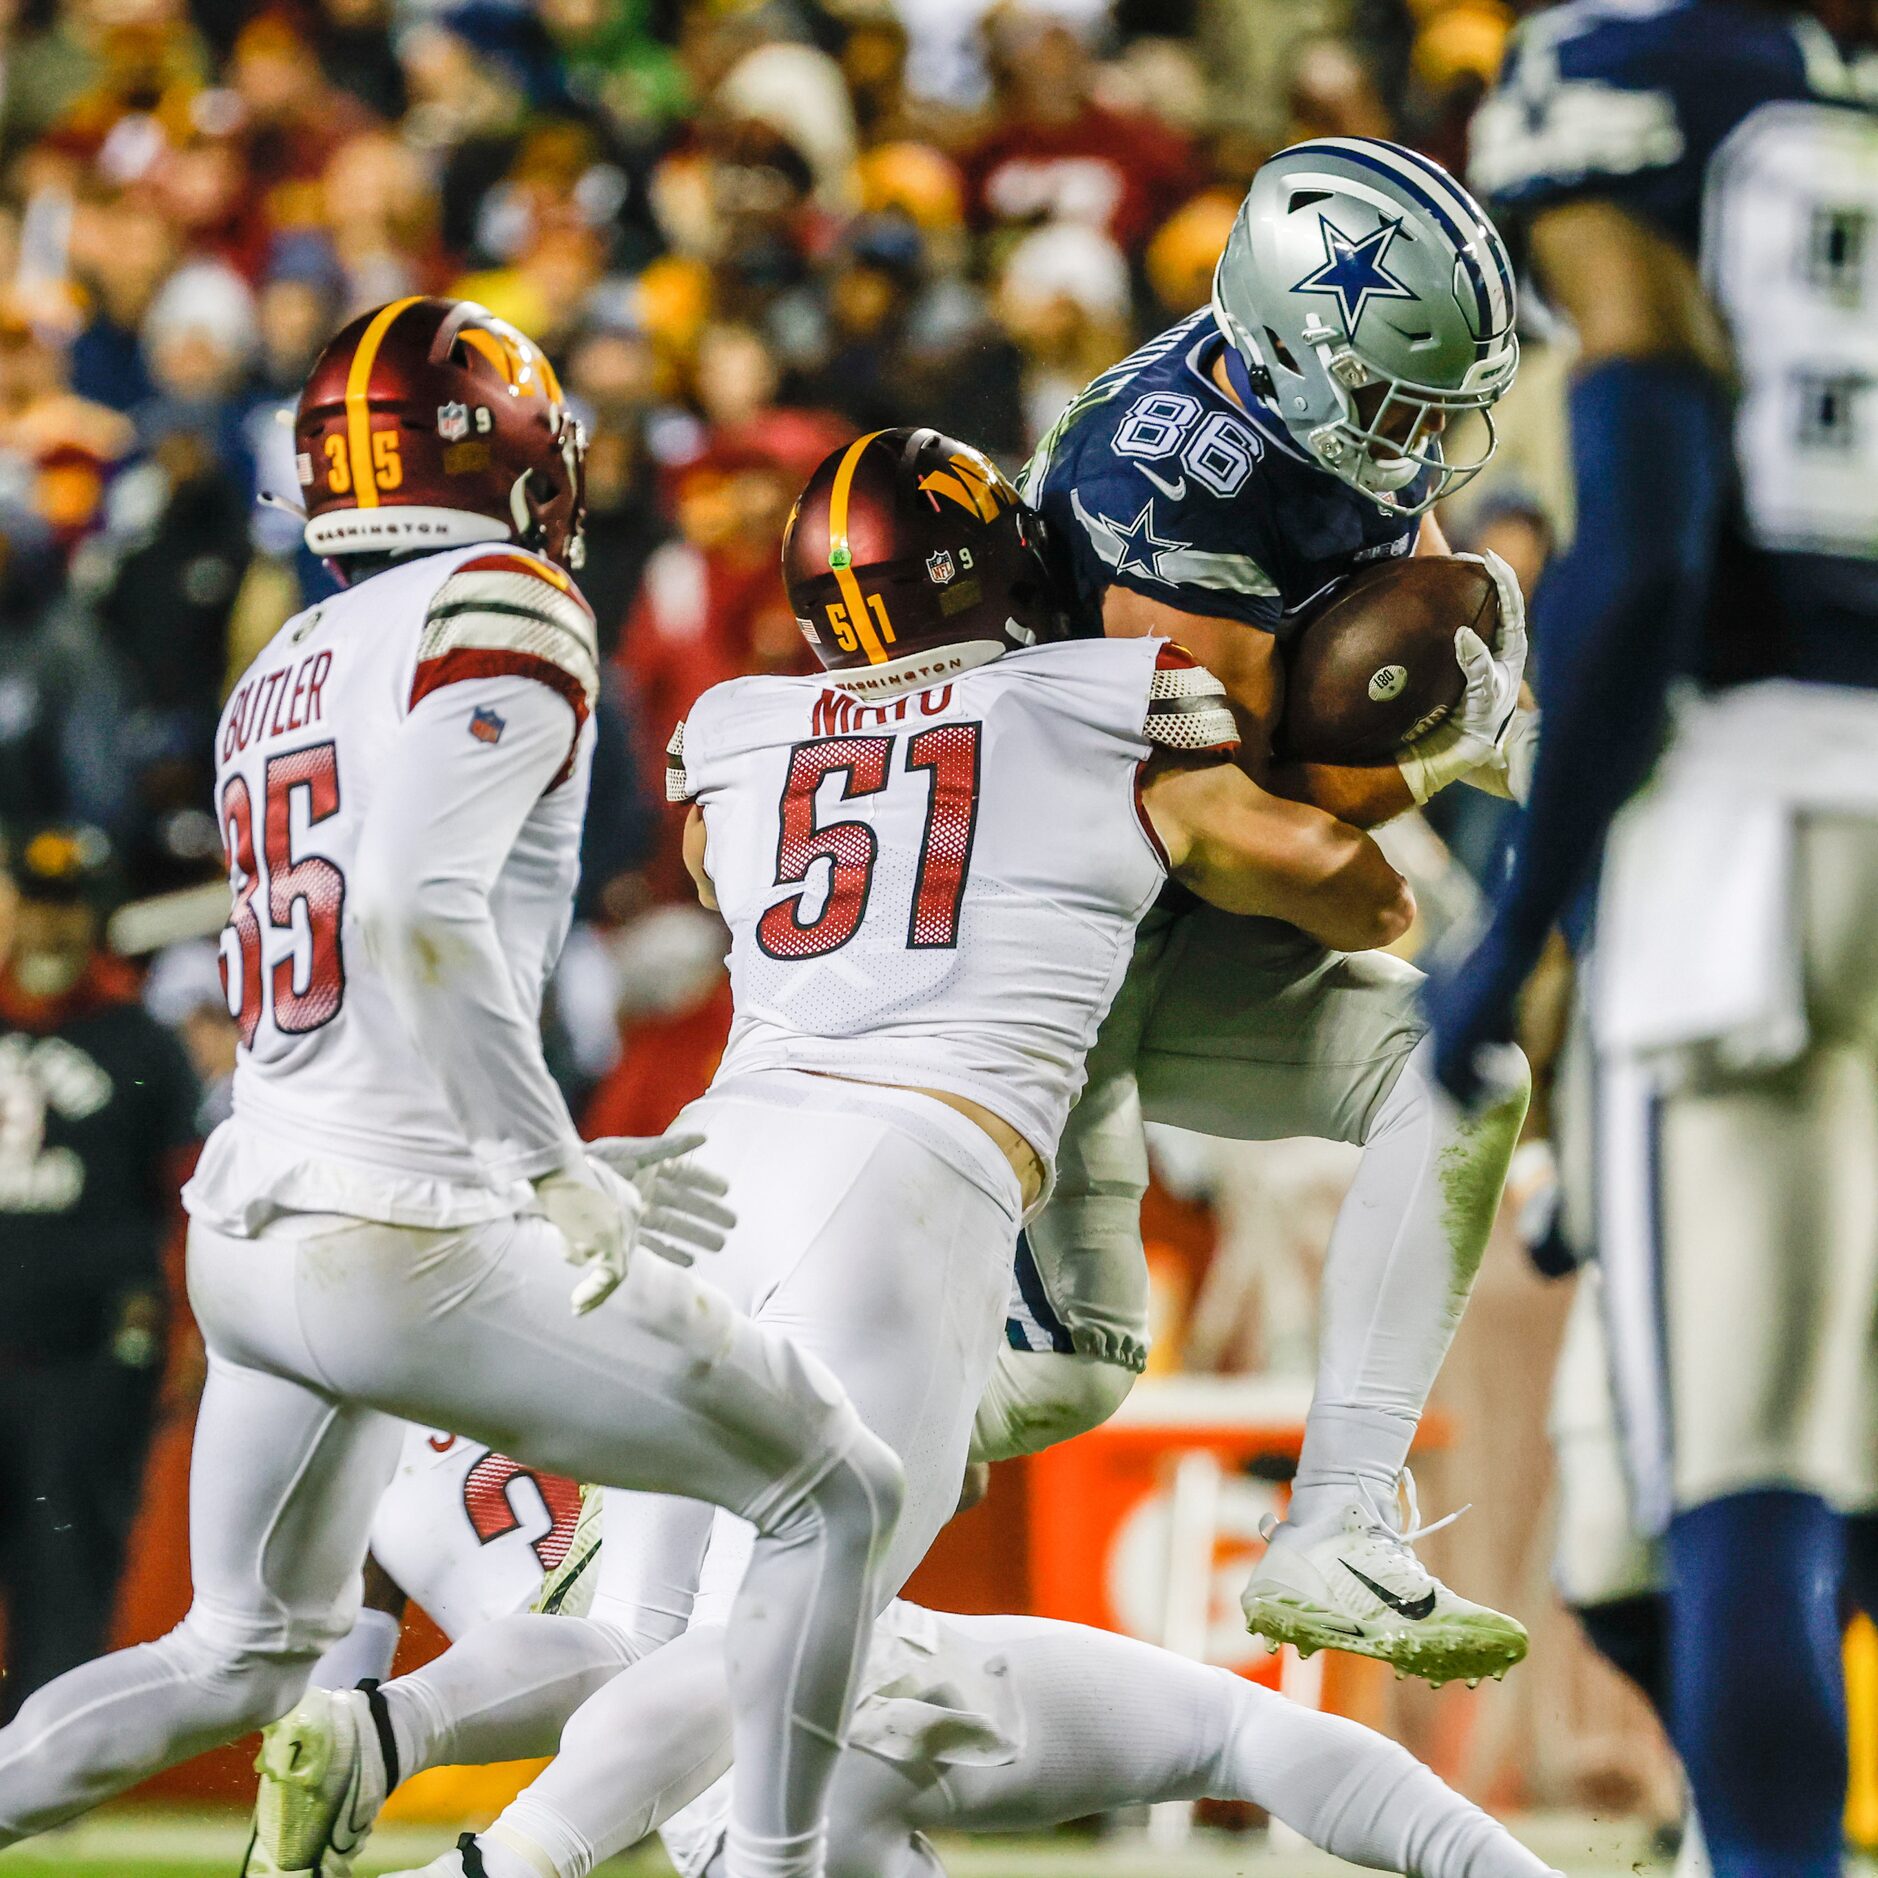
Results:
x,y
1698,182
1209,488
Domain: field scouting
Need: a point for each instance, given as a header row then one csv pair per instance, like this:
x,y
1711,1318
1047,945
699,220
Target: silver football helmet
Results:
x,y
1356,263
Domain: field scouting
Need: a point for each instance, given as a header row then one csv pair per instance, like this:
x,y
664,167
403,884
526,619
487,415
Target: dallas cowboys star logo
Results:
x,y
1354,271
1141,548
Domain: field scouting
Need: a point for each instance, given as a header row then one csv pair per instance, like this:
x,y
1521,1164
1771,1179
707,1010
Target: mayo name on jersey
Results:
x,y
940,891
333,1107
1156,480
1746,135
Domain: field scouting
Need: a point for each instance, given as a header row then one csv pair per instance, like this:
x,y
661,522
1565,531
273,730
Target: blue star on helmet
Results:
x,y
1139,546
1354,271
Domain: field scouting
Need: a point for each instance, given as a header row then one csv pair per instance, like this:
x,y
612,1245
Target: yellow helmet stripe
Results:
x,y
358,409
841,560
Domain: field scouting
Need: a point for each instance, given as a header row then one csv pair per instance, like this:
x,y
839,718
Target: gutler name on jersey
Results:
x,y
940,892
493,651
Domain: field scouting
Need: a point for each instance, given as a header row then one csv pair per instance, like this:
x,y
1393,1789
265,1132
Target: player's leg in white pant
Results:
x,y
891,1267
667,1387
1092,1722
283,1480
1255,1033
1036,1398
1110,1722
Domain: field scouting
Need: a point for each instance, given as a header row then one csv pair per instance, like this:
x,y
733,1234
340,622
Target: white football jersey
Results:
x,y
468,1533
940,891
334,1109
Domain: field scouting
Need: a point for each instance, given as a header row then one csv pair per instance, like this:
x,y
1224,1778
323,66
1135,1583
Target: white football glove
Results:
x,y
1473,733
630,1192
1507,773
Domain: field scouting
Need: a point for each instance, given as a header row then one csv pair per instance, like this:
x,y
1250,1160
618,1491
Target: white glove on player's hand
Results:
x,y
1507,773
631,1192
1473,732
683,1212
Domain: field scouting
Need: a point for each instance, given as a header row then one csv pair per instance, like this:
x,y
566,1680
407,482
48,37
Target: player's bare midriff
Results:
x,y
1026,1162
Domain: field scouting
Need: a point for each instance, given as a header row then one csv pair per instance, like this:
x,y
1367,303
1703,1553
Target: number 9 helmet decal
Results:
x,y
430,423
909,558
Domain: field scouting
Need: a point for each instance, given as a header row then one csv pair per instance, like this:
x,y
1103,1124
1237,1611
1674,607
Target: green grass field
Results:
x,y
181,1845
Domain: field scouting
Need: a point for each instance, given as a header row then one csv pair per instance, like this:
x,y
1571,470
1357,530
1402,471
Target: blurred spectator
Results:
x,y
711,607
670,1004
611,372
99,1103
1064,300
198,337
614,62
380,215
59,743
1333,93
1054,154
122,251
184,992
356,54
292,119
57,447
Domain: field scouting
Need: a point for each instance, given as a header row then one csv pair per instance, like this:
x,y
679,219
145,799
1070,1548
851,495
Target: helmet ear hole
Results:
x,y
1280,351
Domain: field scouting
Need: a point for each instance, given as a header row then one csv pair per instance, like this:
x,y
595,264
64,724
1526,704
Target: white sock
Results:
x,y
645,1744
363,1654
507,1854
1401,1264
752,1855
504,1693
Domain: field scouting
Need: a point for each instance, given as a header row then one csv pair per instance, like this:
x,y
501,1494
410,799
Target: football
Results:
x,y
1373,664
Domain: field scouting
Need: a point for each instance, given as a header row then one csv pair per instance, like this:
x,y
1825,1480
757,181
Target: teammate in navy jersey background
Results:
x,y
1698,184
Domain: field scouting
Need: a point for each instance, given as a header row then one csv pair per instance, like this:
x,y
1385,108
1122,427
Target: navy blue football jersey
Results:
x,y
1748,137
1155,479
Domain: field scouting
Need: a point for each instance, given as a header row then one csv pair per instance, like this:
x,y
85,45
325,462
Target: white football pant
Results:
x,y
320,1332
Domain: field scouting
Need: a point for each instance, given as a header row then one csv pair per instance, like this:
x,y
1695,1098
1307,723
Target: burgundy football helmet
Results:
x,y
430,423
909,558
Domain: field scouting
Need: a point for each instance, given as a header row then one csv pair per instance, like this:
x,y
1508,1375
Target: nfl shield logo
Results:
x,y
939,568
487,726
453,422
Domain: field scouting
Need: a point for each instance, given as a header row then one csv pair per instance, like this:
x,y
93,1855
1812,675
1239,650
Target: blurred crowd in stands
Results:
x,y
745,228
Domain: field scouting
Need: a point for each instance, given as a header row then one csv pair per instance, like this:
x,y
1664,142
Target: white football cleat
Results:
x,y
1352,1582
463,1860
326,1769
567,1591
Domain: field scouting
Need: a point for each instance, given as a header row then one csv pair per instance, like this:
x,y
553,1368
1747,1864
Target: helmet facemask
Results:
x,y
1383,457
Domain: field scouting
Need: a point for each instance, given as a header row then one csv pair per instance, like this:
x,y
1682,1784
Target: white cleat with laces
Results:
x,y
1352,1582
326,1770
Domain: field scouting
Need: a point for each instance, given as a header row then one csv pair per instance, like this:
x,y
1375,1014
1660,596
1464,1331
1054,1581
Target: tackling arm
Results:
x,y
1247,851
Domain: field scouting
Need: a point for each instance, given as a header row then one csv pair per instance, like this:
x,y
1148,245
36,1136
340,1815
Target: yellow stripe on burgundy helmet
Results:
x,y
358,404
841,556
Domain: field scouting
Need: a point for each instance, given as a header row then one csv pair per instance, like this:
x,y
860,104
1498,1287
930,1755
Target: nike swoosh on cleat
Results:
x,y
1176,491
1414,1608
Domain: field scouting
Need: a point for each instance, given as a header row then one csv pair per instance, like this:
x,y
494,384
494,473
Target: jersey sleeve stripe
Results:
x,y
1192,724
507,603
677,783
471,662
542,571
